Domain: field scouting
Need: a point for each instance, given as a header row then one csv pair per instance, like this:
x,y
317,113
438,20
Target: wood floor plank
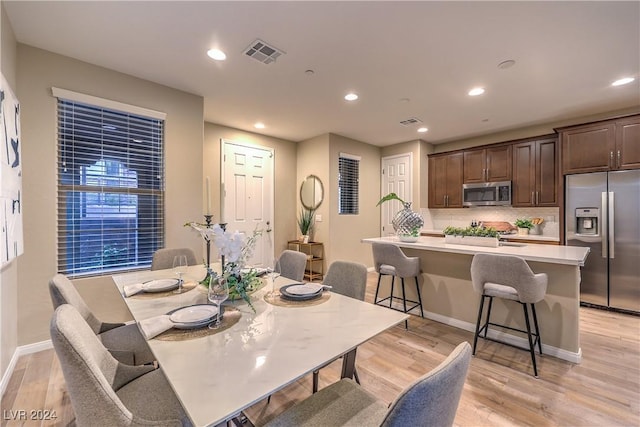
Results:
x,y
604,390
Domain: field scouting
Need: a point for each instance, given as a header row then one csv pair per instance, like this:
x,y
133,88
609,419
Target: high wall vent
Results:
x,y
263,52
410,121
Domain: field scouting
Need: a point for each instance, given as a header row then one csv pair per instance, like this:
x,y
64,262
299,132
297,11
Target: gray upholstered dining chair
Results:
x,y
511,278
163,258
432,400
389,260
349,279
124,341
103,391
292,264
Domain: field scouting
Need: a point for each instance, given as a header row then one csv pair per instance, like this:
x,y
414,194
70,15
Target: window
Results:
x,y
348,177
110,188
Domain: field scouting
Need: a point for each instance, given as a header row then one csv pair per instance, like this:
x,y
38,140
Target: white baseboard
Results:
x,y
21,351
511,339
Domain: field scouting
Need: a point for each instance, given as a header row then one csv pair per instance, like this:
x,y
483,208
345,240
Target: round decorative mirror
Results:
x,y
311,192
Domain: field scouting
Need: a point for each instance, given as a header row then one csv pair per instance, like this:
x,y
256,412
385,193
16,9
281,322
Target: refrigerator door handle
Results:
x,y
605,220
611,221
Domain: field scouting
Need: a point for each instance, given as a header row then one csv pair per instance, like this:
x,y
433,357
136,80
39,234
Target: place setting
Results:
x,y
299,295
162,287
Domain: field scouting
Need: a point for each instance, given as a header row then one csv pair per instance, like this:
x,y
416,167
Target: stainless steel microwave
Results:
x,y
487,194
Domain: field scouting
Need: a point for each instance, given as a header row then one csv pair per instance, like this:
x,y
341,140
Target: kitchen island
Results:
x,y
448,296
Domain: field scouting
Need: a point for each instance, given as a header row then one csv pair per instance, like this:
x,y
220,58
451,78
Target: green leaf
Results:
x,y
390,196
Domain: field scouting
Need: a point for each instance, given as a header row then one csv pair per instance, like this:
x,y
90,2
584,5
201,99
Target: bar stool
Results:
x,y
389,260
510,278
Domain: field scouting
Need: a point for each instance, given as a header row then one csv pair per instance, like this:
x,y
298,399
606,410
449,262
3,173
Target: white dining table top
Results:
x,y
217,376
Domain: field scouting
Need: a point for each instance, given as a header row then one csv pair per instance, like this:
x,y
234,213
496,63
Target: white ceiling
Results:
x,y
432,53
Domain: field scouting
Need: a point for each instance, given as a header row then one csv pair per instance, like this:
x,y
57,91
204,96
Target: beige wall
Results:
x,y
313,159
346,231
284,226
9,273
38,71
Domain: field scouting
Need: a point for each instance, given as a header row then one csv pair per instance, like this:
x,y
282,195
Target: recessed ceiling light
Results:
x,y
476,91
422,130
624,81
351,97
217,54
259,125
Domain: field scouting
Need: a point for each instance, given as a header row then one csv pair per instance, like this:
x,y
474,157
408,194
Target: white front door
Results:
x,y
247,195
396,178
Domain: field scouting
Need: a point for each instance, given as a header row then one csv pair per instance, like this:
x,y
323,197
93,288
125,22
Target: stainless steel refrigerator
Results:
x,y
602,211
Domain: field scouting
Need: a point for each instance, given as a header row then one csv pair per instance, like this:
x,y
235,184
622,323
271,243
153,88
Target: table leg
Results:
x,y
349,364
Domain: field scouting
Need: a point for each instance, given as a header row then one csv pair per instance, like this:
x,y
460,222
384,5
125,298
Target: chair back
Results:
x,y
62,291
163,258
390,254
433,399
91,374
347,278
508,270
292,264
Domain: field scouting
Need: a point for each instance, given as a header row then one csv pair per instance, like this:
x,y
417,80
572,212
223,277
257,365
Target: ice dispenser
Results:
x,y
587,221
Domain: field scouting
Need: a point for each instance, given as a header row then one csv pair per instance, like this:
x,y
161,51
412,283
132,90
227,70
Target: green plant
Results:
x,y
471,231
306,220
524,223
390,196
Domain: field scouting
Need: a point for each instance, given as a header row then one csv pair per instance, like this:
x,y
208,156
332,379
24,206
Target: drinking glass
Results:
x,y
179,267
274,272
218,293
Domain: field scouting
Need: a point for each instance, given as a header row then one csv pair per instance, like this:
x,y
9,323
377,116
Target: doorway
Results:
x,y
247,178
396,178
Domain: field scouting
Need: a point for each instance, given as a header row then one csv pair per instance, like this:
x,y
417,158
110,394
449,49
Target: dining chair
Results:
x,y
292,264
432,400
124,341
103,391
349,279
163,258
510,278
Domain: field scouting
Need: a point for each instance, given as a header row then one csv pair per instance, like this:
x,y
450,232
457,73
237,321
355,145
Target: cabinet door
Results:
x,y
437,181
454,180
523,186
546,173
474,166
588,148
628,143
498,164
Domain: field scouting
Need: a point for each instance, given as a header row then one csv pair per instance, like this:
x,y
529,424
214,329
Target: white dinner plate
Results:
x,y
160,285
305,289
194,314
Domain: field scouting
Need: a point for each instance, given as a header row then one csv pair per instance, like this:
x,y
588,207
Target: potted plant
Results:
x,y
524,225
305,223
405,222
475,236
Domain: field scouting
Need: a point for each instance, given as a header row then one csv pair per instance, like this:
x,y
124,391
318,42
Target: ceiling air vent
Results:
x,y
410,121
263,52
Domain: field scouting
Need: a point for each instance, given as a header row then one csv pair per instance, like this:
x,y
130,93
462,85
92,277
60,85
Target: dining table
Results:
x,y
270,346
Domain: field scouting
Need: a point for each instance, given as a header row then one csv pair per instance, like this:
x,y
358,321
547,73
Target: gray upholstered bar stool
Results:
x,y
510,278
389,260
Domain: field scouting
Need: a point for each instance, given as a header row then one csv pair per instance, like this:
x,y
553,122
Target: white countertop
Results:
x,y
539,237
553,254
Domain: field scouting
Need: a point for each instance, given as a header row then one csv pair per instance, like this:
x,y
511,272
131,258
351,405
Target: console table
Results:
x,y
315,258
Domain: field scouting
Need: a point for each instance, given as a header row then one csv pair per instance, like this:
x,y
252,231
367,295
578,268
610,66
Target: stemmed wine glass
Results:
x,y
179,267
218,293
274,272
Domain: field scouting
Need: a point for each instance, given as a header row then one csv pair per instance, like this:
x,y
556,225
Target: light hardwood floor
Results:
x,y
604,390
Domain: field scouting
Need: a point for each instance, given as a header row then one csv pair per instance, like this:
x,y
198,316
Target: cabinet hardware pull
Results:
x,y
444,200
537,198
618,162
611,159
532,198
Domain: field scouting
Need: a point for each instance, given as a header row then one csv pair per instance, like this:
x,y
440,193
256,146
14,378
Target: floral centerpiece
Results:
x,y
235,249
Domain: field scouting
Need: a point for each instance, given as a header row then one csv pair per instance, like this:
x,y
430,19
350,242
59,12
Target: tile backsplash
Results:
x,y
438,219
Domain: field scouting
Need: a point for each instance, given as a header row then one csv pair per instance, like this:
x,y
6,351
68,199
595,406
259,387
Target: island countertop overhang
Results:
x,y
568,255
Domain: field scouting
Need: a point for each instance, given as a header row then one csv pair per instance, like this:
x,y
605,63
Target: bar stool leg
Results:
x,y
375,298
486,325
531,347
315,380
535,323
419,297
475,337
391,296
404,298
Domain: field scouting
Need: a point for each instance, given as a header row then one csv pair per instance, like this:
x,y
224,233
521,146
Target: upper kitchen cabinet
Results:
x,y
602,146
487,165
535,173
445,180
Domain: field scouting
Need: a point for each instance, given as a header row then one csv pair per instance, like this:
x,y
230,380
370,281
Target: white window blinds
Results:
x,y
348,178
110,189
